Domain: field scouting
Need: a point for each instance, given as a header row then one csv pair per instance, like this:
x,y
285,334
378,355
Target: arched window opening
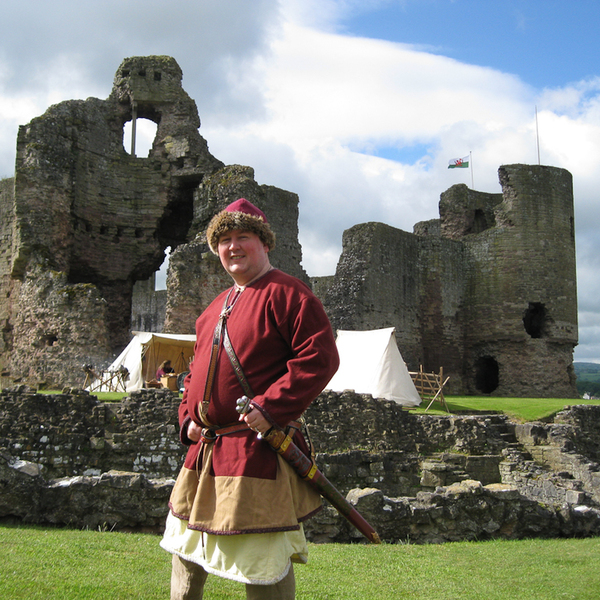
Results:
x,y
535,320
487,374
479,222
145,132
160,282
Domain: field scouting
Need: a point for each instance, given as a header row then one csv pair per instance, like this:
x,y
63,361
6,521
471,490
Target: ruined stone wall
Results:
x,y
377,285
195,276
69,459
97,216
148,306
88,220
7,206
442,266
53,311
522,304
390,278
488,291
280,207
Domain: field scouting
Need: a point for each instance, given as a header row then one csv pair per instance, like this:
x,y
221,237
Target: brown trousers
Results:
x,y
188,579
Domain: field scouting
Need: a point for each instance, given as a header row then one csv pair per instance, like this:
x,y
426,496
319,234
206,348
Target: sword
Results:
x,y
306,468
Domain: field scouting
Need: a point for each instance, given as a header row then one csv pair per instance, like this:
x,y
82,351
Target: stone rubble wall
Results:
x,y
69,459
465,511
73,434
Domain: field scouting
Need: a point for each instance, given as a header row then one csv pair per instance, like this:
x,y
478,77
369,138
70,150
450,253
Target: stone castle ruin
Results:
x,y
488,291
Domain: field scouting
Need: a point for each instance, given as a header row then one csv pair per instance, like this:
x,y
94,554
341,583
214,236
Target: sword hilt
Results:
x,y
242,405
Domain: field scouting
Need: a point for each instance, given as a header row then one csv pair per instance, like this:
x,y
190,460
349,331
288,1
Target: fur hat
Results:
x,y
241,215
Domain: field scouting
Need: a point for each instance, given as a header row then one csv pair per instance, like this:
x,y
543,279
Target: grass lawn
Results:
x,y
522,409
63,564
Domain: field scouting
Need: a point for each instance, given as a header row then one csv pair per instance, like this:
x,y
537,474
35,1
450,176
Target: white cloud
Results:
x,y
329,96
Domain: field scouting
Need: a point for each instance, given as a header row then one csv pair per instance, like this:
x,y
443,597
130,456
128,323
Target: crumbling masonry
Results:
x,y
487,292
69,459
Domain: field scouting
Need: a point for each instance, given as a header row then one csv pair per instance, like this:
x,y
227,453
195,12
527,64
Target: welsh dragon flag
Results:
x,y
459,163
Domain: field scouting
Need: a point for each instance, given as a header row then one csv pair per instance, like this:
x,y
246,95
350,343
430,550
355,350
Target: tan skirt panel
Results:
x,y
230,505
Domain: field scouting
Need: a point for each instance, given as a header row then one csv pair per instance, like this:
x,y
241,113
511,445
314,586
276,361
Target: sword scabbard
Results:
x,y
307,469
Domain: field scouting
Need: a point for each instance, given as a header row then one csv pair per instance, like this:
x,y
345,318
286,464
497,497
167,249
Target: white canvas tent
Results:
x,y
370,363
146,351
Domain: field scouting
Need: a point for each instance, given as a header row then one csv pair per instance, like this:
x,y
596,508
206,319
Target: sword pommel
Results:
x,y
242,405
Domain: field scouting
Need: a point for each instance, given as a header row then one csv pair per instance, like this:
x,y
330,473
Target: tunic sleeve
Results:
x,y
312,362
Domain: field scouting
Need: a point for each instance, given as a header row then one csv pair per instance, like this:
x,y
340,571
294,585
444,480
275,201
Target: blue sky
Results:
x,y
355,105
546,42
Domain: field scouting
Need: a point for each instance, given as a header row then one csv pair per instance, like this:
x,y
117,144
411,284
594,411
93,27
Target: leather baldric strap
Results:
x,y
220,335
235,363
211,432
210,377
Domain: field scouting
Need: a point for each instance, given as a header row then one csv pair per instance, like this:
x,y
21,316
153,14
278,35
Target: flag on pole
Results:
x,y
459,163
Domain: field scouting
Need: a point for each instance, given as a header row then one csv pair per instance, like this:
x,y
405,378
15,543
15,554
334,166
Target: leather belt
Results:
x,y
210,434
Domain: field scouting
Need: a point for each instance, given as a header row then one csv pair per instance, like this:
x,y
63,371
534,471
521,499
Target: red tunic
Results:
x,y
286,347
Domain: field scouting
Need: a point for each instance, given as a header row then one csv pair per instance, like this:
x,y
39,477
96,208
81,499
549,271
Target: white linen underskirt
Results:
x,y
255,558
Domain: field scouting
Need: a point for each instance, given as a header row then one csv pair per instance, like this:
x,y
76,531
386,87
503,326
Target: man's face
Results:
x,y
243,255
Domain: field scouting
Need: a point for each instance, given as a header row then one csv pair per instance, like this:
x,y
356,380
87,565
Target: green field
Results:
x,y
588,378
63,564
521,409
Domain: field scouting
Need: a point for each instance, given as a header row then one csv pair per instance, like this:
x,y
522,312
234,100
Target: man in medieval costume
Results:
x,y
237,507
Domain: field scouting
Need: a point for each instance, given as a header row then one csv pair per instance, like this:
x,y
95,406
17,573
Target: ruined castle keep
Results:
x,y
84,220
488,291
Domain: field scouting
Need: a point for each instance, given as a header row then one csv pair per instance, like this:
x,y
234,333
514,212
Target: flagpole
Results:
x,y
471,165
537,135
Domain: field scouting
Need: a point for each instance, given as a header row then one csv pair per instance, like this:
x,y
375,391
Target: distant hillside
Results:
x,y
588,378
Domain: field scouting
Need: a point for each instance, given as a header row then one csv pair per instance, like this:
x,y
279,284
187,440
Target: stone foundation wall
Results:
x,y
69,459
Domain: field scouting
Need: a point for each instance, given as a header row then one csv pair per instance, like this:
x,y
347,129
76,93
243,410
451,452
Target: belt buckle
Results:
x,y
208,436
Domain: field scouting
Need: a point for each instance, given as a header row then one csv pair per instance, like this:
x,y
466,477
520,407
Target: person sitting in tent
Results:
x,y
164,368
237,507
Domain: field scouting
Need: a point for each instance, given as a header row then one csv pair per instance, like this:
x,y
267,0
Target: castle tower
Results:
x,y
488,291
520,308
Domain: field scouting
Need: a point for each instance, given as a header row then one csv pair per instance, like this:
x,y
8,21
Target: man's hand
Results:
x,y
256,421
194,431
